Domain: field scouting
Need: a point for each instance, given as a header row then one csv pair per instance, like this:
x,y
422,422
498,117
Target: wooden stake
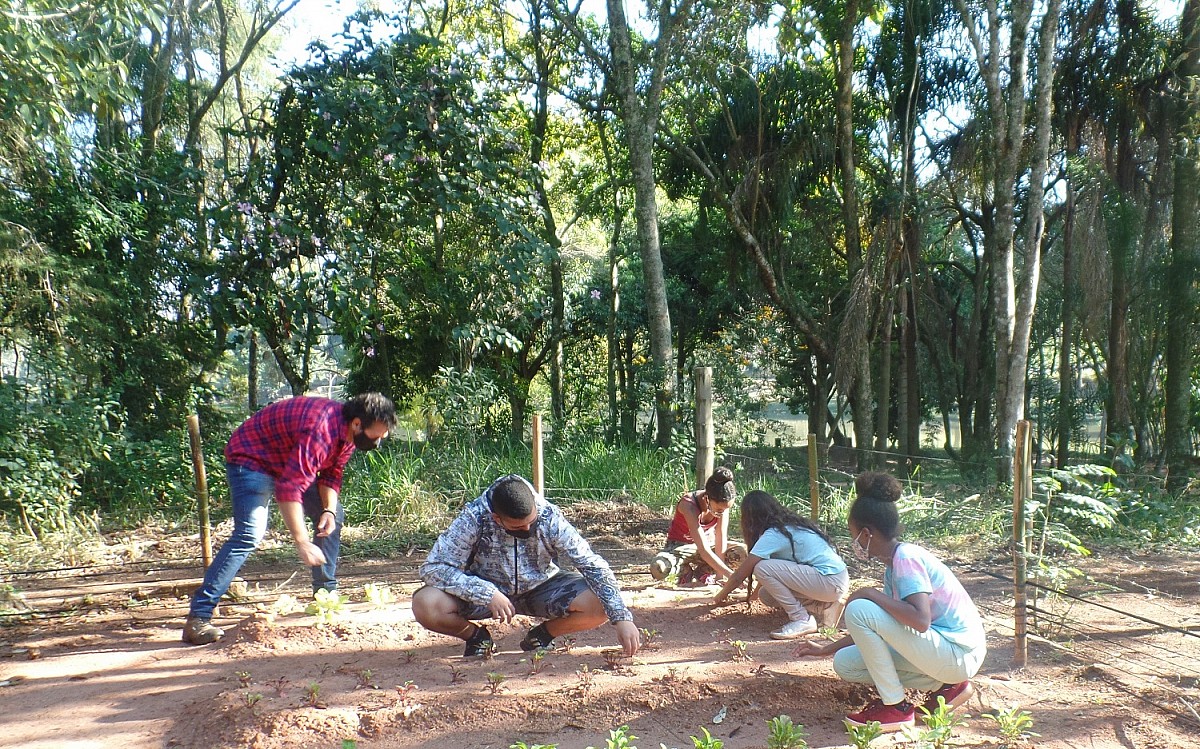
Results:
x,y
1022,489
193,422
814,495
538,482
704,425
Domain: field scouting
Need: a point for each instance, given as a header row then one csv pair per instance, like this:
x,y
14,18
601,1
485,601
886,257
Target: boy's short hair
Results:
x,y
512,497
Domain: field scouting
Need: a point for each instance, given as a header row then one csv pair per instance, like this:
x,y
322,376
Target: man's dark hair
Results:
x,y
370,408
512,497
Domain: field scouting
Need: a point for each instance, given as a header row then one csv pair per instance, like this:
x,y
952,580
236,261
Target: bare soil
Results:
x,y
107,669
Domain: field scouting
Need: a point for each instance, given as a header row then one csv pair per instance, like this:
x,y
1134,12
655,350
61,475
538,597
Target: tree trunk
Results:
x,y
1066,369
1184,272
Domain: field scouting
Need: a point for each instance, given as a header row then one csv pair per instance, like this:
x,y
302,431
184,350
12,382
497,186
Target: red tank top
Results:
x,y
679,528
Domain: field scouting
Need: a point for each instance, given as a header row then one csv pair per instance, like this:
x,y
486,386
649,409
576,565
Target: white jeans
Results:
x,y
886,653
799,589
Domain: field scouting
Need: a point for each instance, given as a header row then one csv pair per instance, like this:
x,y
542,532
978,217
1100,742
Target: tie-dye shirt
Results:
x,y
952,612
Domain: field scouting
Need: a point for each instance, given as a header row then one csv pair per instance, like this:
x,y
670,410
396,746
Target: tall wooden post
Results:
x,y
1022,490
538,481
814,495
704,425
193,422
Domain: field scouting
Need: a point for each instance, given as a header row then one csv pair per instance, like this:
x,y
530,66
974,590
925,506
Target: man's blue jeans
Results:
x,y
251,494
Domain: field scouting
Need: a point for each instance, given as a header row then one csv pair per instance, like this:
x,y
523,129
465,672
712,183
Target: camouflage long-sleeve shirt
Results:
x,y
475,557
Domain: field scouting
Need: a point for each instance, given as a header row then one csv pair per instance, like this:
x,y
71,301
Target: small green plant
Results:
x,y
649,638
739,650
280,686
784,734
349,744
939,725
244,678
523,745
615,658
619,738
251,699
537,660
829,633
494,681
708,741
489,650
326,605
378,595
862,736
364,679
1014,725
410,655
457,675
312,694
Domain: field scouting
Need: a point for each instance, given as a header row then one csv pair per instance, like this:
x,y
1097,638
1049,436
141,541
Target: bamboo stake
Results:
x,y
814,495
1022,489
538,482
193,422
704,425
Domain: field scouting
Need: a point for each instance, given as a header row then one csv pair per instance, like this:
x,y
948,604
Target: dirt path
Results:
x,y
120,678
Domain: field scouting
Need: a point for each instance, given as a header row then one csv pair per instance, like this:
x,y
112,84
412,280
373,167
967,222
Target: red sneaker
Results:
x,y
890,717
954,695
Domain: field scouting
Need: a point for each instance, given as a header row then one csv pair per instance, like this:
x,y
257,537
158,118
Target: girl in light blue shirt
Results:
x,y
795,564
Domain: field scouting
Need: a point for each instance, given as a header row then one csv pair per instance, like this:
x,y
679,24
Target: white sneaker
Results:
x,y
792,630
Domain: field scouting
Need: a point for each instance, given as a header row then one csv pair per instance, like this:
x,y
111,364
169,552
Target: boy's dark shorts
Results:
x,y
550,600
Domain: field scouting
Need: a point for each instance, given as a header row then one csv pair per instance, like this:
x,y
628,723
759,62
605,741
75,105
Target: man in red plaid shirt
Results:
x,y
294,451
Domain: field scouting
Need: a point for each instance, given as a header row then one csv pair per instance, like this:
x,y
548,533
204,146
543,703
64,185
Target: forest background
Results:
x,y
890,215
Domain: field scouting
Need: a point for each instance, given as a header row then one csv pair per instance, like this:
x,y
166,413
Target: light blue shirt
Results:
x,y
799,545
952,612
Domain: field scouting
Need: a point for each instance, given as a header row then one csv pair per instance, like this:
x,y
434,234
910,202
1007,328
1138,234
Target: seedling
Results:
x,y
523,745
565,644
620,738
784,734
279,685
537,660
349,744
1014,724
495,680
285,604
378,595
410,655
408,703
489,650
708,742
586,677
457,675
862,736
940,725
829,633
615,658
364,679
251,699
326,605
648,638
312,694
244,678
739,650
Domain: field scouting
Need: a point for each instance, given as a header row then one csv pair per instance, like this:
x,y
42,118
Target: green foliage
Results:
x,y
940,725
784,734
862,736
707,741
378,595
619,738
523,745
1013,723
326,605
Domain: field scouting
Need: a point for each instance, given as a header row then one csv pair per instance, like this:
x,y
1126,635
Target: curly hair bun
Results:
x,y
881,487
721,475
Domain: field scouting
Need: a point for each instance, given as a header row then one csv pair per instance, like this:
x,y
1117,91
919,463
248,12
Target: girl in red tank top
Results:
x,y
698,549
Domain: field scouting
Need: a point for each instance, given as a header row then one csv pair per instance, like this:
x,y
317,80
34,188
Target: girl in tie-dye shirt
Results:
x,y
920,631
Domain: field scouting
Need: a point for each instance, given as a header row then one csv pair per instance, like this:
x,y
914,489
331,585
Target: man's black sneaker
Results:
x,y
479,644
537,638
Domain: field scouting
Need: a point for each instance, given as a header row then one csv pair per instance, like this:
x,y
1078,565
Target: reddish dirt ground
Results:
x,y
112,674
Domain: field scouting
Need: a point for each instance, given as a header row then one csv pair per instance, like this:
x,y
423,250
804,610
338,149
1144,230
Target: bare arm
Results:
x,y
692,516
293,518
744,570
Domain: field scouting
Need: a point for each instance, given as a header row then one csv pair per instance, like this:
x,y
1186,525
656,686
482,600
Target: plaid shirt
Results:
x,y
296,441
